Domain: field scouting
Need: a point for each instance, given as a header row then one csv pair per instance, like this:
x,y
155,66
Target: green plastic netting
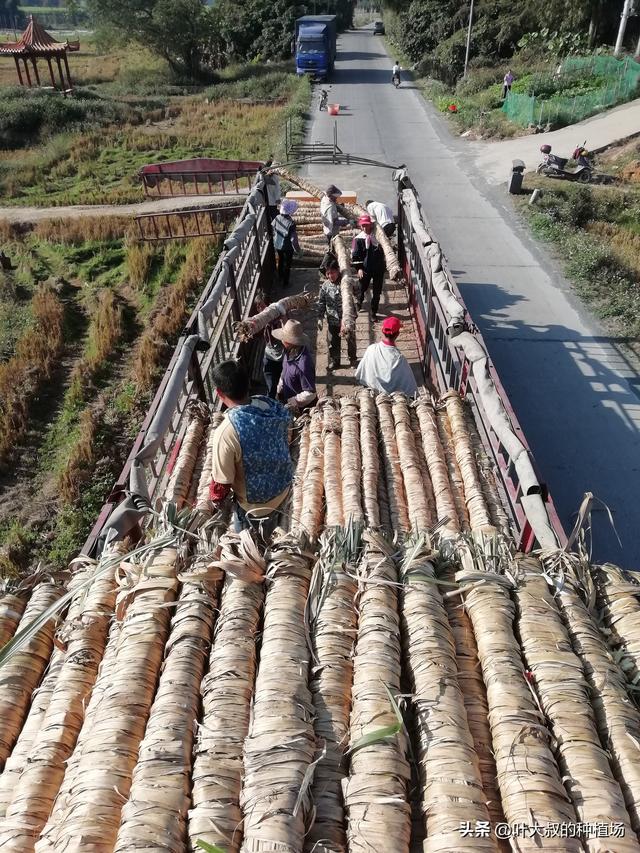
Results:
x,y
622,76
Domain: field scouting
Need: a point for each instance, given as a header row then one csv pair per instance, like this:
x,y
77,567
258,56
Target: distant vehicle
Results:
x,y
315,45
378,28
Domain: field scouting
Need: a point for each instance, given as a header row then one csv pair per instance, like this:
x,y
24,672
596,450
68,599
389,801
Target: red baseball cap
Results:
x,y
391,325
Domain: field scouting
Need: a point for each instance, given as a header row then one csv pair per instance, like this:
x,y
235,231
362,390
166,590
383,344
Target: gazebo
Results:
x,y
36,43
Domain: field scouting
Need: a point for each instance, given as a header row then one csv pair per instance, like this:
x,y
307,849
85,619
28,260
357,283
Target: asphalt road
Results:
x,y
577,398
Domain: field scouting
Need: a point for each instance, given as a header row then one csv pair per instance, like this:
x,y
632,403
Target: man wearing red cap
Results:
x,y
367,258
383,367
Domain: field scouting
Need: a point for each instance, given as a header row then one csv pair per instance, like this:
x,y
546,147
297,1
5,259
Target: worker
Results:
x,y
330,304
285,239
332,222
250,451
297,385
383,215
367,258
272,186
383,367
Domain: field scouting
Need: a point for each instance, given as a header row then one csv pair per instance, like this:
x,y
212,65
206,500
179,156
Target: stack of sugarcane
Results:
x,y
348,287
13,600
183,470
351,211
309,227
227,689
618,597
246,329
201,497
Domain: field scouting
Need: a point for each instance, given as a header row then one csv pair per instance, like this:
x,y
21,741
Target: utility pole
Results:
x,y
466,56
626,11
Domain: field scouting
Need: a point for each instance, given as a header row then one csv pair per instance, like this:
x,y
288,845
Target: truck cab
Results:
x,y
315,45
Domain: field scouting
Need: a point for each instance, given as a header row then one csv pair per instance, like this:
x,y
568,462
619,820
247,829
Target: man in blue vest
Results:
x,y
250,451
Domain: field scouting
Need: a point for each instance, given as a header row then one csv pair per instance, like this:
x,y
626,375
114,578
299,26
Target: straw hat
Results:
x,y
291,333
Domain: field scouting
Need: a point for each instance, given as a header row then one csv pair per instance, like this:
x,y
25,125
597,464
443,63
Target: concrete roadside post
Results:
x,y
514,181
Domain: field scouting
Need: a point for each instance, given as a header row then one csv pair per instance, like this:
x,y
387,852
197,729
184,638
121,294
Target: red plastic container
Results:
x,y
333,109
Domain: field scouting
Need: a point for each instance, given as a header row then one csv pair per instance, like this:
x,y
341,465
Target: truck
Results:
x,y
315,45
207,690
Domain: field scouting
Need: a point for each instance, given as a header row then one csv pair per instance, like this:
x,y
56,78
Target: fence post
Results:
x,y
196,375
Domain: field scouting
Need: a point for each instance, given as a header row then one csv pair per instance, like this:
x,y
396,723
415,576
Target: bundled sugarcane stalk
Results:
x,y
12,605
618,599
437,466
312,515
348,286
419,511
298,487
486,469
332,478
226,697
85,638
474,497
547,651
617,717
203,500
188,453
20,676
280,747
451,783
350,461
414,425
127,575
370,457
351,211
455,477
247,329
397,497
529,779
375,794
156,811
105,766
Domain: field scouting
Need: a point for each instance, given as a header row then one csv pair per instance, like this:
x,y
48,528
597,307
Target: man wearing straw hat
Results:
x,y
250,451
297,386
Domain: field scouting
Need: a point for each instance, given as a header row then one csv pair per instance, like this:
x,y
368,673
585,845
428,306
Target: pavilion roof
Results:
x,y
36,41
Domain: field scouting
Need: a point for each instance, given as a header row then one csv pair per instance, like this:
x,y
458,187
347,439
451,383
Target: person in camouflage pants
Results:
x,y
330,304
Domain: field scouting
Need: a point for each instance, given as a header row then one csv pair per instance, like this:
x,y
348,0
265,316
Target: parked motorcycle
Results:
x,y
324,97
553,166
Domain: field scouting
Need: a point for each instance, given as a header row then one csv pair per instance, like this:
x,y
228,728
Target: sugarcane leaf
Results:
x,y
210,848
383,732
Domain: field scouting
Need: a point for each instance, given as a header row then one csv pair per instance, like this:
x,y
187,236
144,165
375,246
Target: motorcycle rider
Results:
x,y
395,73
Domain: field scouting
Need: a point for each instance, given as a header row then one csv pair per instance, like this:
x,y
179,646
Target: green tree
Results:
x,y
181,31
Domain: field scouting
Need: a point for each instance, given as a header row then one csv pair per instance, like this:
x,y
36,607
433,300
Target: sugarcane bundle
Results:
x,y
203,503
156,811
205,457
619,602
181,476
127,575
333,620
331,431
414,425
370,458
547,651
105,765
280,747
395,485
312,514
350,461
451,784
420,515
39,703
85,638
297,492
437,466
528,777
12,605
351,211
455,477
20,676
348,286
474,497
226,692
617,717
486,469
375,794
246,329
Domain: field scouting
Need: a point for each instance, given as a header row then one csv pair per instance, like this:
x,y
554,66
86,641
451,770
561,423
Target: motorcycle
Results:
x,y
324,97
553,166
396,80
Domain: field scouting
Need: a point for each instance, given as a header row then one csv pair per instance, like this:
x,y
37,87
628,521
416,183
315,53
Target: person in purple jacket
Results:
x,y
297,386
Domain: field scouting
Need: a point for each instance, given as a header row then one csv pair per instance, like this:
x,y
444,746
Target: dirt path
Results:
x,y
77,211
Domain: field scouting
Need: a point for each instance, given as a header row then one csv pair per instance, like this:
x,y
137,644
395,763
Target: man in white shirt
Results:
x,y
382,214
383,367
332,222
395,72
